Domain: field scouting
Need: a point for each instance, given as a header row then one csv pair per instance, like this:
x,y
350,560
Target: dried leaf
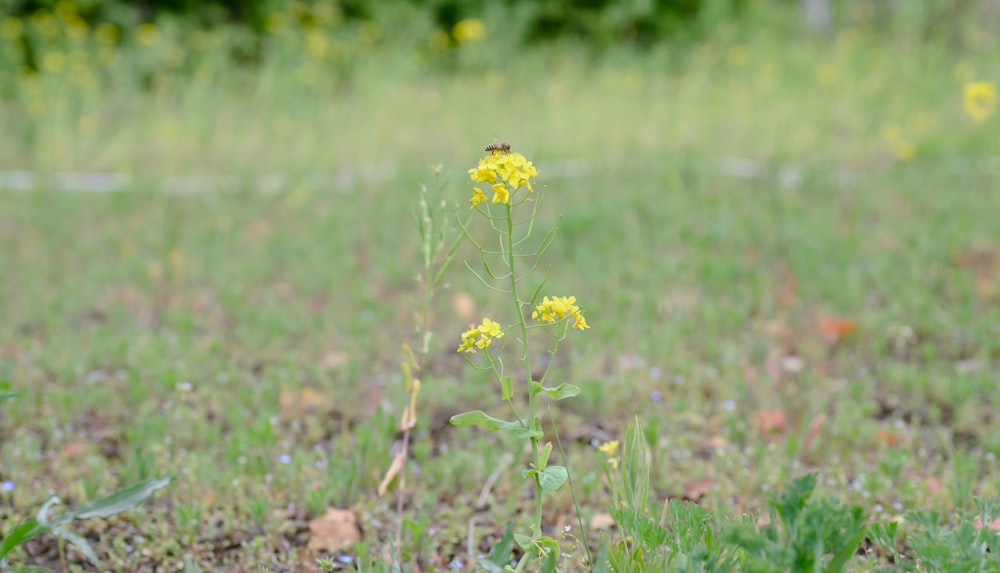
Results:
x,y
74,449
333,359
887,437
771,421
602,521
994,525
464,306
391,473
334,529
697,490
834,328
409,418
934,484
295,403
814,428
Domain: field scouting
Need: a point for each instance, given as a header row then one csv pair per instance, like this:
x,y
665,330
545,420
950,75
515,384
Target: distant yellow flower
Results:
x,y
477,197
439,40
901,147
559,308
480,336
828,75
54,62
609,448
13,28
147,34
317,44
369,32
325,13
468,30
980,99
65,10
275,22
76,27
106,34
45,23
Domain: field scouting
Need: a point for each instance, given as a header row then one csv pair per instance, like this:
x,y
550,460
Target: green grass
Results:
x,y
206,335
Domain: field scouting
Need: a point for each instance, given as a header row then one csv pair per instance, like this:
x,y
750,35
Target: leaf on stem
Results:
x,y
560,392
480,418
552,478
506,388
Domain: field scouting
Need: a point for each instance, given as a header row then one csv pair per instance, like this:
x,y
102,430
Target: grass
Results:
x,y
248,343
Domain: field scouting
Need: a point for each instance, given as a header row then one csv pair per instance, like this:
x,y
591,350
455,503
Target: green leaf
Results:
x,y
8,395
523,541
122,500
543,456
480,418
500,554
840,558
506,388
552,478
549,548
26,531
560,392
79,542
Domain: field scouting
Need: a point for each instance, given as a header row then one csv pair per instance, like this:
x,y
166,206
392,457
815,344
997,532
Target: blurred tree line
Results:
x,y
599,23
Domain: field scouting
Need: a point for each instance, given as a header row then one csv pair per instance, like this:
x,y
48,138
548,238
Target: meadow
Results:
x,y
786,247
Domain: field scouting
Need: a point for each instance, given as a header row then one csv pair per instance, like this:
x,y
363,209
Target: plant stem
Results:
x,y
536,526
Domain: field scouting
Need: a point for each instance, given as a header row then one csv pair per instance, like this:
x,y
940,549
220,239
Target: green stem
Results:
x,y
536,527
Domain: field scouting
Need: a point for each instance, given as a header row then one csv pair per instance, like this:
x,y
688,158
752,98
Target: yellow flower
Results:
x,y
147,34
275,22
504,172
106,34
609,448
558,308
317,44
901,147
45,23
13,28
485,172
480,336
500,193
980,99
54,62
477,197
439,40
468,30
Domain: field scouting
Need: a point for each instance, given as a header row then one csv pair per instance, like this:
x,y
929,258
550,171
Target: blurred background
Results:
x,y
780,218
362,87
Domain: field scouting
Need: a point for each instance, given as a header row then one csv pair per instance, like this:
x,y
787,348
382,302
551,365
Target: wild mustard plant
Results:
x,y
510,213
438,243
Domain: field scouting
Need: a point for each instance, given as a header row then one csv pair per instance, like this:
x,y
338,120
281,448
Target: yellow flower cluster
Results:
x,y
560,307
504,172
609,449
980,99
468,30
480,336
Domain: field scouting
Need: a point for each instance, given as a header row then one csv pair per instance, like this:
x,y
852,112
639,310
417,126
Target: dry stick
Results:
x,y
470,543
492,480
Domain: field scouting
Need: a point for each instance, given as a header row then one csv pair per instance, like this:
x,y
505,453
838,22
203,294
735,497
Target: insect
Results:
x,y
498,147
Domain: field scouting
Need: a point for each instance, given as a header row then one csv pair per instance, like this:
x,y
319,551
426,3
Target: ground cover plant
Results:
x,y
788,258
